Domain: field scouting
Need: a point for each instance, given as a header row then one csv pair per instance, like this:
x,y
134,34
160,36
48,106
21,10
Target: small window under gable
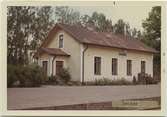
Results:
x,y
61,37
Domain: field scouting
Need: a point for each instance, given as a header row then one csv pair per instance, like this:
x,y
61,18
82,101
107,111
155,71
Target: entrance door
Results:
x,y
45,66
59,66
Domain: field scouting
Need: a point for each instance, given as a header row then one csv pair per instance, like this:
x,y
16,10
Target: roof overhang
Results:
x,y
51,51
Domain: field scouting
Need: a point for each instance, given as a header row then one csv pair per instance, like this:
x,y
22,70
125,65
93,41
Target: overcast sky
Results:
x,y
131,14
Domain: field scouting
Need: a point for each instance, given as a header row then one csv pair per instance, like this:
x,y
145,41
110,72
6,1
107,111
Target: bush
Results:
x,y
74,83
121,81
52,79
64,75
28,76
11,75
106,81
144,78
62,78
134,80
103,81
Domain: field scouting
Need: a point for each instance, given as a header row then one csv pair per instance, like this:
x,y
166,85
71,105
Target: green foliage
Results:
x,y
11,75
28,76
25,23
97,21
51,79
106,81
152,27
152,34
134,80
121,81
66,15
144,78
64,75
119,27
103,81
123,28
63,78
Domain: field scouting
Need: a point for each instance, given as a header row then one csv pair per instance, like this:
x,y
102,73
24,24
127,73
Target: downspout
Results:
x,y
83,67
53,64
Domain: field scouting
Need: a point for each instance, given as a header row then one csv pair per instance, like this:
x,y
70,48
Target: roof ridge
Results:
x,y
86,36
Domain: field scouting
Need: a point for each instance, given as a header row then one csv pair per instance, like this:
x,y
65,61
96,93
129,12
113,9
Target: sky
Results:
x,y
131,14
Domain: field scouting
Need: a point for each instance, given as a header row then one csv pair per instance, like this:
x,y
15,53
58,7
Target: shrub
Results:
x,y
134,80
11,75
103,81
64,75
51,79
144,78
151,80
121,81
106,81
28,76
75,83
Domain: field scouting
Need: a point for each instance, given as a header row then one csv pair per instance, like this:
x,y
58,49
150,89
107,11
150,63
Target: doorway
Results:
x,y
59,66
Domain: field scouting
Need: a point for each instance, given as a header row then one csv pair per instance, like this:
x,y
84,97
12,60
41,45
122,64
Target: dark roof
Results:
x,y
53,51
88,36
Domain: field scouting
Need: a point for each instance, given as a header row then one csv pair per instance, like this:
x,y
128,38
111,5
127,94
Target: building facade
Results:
x,y
91,55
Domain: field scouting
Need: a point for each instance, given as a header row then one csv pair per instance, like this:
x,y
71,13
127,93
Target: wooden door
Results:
x,y
59,66
45,66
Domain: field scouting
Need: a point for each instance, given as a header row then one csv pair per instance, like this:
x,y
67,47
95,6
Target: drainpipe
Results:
x,y
83,54
53,64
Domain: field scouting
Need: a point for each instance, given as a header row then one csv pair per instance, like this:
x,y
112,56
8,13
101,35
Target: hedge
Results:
x,y
25,76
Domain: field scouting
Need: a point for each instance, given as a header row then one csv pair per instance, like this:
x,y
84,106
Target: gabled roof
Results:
x,y
53,51
87,36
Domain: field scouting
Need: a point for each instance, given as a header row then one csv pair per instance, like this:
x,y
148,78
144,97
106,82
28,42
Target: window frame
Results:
x,y
97,65
129,67
143,70
114,68
62,40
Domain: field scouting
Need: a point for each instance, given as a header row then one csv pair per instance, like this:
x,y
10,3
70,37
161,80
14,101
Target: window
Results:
x,y
97,65
45,66
114,66
61,41
129,67
143,66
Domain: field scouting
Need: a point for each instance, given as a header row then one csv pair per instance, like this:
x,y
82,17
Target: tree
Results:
x,y
66,15
127,29
134,33
119,27
42,24
152,34
123,28
19,25
98,21
139,34
26,26
152,28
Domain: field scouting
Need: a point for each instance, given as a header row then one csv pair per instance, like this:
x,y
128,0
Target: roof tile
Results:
x,y
84,35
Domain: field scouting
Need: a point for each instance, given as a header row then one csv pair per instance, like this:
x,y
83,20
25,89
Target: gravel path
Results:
x,y
46,96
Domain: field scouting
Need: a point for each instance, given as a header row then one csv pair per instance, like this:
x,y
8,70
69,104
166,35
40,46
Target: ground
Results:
x,y
47,96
